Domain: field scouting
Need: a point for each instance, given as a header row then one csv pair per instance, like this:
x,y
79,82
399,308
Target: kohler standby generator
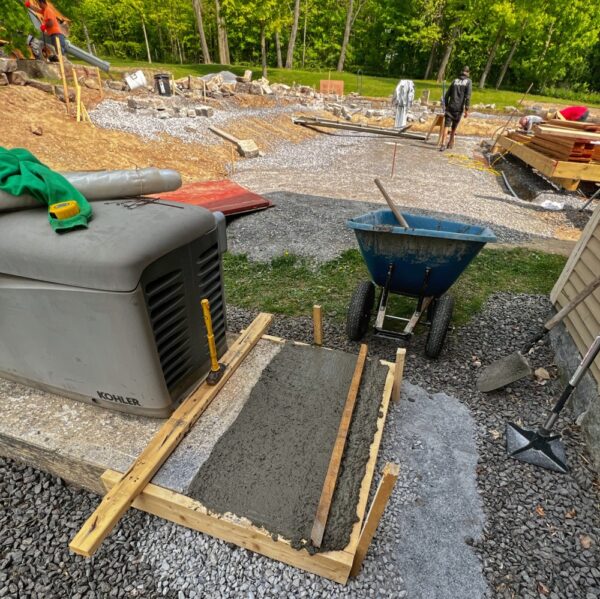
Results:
x,y
111,314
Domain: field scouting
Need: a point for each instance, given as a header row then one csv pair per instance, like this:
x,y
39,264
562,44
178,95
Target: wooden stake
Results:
x,y
77,94
100,83
398,373
63,76
87,116
382,495
318,529
118,500
317,325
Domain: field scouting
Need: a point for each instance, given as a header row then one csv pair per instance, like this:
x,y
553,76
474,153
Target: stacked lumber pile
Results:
x,y
564,140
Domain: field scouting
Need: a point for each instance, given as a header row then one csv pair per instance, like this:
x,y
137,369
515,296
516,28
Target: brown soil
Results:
x,y
66,145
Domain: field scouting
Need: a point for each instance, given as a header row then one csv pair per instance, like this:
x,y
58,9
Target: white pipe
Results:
x,y
105,185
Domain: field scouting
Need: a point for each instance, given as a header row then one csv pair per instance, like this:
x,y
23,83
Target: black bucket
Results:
x,y
162,83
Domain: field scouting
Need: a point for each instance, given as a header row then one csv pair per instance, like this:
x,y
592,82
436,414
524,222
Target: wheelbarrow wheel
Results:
x,y
359,310
439,326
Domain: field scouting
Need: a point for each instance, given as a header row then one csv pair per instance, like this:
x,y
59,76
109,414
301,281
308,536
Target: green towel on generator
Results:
x,y
22,173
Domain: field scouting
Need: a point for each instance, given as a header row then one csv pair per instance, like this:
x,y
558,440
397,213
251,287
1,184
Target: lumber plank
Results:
x,y
188,512
566,132
116,502
382,496
569,170
365,488
318,529
566,173
574,125
398,373
542,163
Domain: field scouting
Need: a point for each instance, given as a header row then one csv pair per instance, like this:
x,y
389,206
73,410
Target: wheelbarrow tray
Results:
x,y
432,250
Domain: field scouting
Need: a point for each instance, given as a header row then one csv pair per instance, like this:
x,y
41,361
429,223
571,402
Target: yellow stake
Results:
x,y
212,348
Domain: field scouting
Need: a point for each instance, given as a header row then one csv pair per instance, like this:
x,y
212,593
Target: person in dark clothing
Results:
x,y
456,102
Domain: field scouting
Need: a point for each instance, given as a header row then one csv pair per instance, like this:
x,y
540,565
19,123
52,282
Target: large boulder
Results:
x,y
39,69
58,90
204,111
118,86
91,83
41,85
18,78
3,79
8,65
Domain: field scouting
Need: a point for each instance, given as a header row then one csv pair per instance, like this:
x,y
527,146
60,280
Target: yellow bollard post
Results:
x,y
216,369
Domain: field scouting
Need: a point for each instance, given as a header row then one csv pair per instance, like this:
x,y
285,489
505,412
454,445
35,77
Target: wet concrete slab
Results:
x,y
270,465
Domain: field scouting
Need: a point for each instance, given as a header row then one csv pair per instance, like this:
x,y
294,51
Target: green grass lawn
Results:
x,y
291,285
368,85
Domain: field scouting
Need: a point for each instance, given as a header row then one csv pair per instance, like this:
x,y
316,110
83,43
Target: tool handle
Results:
x,y
391,204
572,304
589,357
212,348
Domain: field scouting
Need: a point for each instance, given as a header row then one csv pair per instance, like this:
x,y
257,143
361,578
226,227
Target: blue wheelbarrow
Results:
x,y
421,261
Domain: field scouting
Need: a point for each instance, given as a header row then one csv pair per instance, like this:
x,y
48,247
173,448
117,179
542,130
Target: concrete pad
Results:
x,y
78,442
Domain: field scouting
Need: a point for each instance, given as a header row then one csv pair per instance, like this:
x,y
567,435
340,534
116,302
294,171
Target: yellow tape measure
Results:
x,y
64,210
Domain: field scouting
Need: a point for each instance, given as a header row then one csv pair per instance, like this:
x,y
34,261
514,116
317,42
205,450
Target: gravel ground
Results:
x,y
315,227
540,538
454,183
111,114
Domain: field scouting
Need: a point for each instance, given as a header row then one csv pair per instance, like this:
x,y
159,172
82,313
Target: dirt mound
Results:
x,y
67,145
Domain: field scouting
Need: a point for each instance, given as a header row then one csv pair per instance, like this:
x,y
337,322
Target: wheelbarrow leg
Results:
x,y
414,319
422,305
384,299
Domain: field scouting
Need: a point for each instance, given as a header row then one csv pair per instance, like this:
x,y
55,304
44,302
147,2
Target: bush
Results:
x,y
579,94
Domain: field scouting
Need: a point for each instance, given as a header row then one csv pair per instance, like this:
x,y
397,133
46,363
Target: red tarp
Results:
x,y
218,196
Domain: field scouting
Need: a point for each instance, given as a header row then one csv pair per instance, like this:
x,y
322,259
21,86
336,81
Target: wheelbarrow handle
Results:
x,y
391,204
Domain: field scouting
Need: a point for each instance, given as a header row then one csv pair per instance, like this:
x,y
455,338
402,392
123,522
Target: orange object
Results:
x,y
50,20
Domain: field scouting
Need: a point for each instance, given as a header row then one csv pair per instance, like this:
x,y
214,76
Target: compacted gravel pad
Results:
x,y
540,536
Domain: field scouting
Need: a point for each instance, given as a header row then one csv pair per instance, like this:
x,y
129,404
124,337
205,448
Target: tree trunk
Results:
x,y
548,40
550,32
430,61
347,28
304,34
200,23
289,60
221,35
490,60
88,42
509,58
278,50
446,57
507,62
146,40
263,49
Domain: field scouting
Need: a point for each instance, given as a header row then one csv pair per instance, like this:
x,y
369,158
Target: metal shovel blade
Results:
x,y
503,372
532,447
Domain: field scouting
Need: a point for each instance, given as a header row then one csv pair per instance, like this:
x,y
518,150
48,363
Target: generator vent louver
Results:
x,y
209,281
167,308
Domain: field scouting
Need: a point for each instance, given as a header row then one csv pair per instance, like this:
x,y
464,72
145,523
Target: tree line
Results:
x,y
506,43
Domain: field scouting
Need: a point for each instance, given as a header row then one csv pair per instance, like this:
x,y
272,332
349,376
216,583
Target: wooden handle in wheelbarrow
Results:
x,y
391,204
